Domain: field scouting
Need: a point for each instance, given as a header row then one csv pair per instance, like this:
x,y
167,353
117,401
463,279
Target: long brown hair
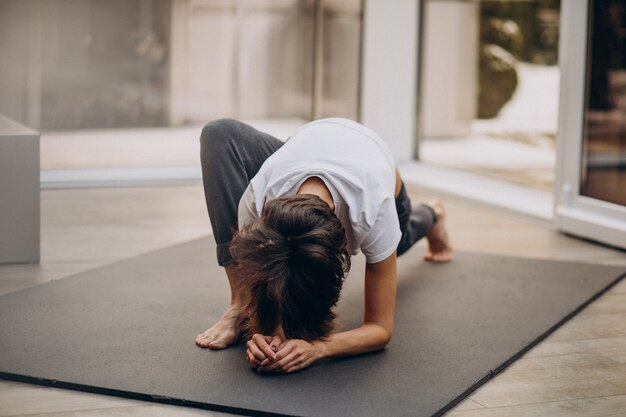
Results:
x,y
292,261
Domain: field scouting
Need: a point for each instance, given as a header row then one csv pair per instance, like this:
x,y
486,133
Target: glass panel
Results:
x,y
130,82
603,166
489,86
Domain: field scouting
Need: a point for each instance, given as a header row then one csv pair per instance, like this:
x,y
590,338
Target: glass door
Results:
x,y
488,102
489,88
591,185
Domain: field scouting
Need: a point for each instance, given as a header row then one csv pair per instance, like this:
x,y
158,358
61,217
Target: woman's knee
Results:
x,y
217,133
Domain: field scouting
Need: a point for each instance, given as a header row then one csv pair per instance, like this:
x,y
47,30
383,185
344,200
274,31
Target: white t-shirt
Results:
x,y
356,166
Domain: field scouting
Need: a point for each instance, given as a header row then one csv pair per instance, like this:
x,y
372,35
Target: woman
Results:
x,y
286,218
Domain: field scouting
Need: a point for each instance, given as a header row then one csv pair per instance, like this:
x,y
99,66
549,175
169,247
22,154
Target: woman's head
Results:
x,y
293,261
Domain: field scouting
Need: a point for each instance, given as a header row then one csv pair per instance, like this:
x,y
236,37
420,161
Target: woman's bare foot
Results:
x,y
439,249
223,333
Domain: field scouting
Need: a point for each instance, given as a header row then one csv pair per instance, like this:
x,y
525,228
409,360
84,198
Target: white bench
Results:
x,y
19,193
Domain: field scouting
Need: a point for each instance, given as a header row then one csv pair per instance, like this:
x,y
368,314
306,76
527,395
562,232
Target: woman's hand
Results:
x,y
261,348
293,355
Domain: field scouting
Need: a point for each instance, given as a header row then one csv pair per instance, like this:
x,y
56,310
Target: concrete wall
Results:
x,y
449,70
256,59
389,84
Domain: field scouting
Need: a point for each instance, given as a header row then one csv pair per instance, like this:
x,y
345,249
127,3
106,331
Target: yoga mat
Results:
x,y
128,329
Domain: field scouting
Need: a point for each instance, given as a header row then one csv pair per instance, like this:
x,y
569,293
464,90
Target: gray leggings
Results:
x,y
232,153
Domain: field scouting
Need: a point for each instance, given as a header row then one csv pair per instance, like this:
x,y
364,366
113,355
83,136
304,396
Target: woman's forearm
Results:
x,y
367,338
375,333
295,354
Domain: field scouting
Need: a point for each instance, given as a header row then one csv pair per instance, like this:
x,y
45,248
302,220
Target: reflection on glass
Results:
x,y
603,165
85,64
489,87
97,77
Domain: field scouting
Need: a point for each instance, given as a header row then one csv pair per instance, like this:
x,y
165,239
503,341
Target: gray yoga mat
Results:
x,y
128,329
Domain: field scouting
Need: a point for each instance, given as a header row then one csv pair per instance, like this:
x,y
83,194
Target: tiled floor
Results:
x,y
578,371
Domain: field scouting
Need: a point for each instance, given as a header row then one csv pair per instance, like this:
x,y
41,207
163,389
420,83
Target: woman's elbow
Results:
x,y
379,335
385,337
